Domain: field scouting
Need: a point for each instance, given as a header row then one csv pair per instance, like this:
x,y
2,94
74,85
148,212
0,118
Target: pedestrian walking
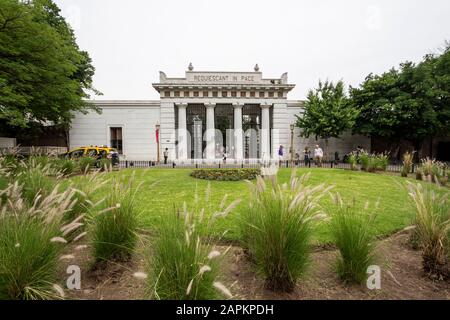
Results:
x,y
318,155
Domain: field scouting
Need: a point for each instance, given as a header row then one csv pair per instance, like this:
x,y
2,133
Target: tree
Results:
x,y
410,103
326,113
44,76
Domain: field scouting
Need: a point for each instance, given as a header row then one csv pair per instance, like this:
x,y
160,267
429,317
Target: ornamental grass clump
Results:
x,y
373,162
184,262
352,160
432,171
104,164
35,180
66,167
115,223
352,232
82,192
85,164
407,163
277,226
432,218
31,241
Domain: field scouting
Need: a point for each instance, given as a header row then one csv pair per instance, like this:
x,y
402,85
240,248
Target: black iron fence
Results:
x,y
246,164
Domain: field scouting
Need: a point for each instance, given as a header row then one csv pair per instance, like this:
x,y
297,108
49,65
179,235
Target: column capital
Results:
x,y
265,105
210,105
238,104
182,105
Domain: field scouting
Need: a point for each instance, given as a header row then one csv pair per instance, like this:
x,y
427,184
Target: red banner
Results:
x,y
157,135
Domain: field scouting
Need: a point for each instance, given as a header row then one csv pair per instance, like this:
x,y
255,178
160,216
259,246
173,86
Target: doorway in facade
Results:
x,y
251,125
224,123
196,125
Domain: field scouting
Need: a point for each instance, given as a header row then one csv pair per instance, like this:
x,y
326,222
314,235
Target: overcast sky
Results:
x,y
130,41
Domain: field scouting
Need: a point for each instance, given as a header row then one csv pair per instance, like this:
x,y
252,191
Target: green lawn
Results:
x,y
162,190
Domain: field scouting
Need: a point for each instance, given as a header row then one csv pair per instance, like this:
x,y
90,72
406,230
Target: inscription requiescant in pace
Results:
x,y
224,78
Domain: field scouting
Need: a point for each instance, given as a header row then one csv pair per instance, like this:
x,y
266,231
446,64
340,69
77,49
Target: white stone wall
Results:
x,y
138,124
7,142
138,120
343,145
281,128
168,134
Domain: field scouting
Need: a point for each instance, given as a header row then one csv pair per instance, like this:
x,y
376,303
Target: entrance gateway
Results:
x,y
215,115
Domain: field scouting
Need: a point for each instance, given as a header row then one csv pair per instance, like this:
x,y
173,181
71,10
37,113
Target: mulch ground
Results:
x,y
401,277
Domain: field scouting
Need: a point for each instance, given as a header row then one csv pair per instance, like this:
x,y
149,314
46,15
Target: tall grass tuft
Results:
x,y
184,263
352,233
407,163
432,171
86,164
83,190
64,166
36,181
30,244
104,164
352,160
373,162
366,161
277,226
432,226
115,222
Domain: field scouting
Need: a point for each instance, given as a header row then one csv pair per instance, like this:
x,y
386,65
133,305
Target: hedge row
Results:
x,y
225,174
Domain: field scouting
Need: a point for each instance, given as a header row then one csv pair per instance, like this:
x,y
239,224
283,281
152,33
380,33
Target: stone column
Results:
x,y
238,132
265,131
182,132
210,132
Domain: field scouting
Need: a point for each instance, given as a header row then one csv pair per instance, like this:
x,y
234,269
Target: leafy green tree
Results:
x,y
44,76
326,113
410,103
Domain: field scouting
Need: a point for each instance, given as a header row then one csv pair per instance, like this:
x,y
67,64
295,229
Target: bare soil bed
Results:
x,y
401,277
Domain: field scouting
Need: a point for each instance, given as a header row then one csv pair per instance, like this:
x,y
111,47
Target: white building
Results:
x,y
203,116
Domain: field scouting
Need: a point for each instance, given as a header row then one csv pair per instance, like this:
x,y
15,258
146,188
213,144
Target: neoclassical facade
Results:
x,y
205,116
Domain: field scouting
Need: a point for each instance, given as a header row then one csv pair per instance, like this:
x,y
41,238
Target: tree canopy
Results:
x,y
44,76
327,112
410,103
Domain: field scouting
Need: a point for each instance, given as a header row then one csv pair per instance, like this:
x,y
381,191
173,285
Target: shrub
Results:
x,y
184,264
115,224
86,164
30,244
433,224
276,228
407,163
352,233
225,174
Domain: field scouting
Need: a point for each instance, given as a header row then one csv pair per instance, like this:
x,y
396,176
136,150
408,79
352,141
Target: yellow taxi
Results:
x,y
97,152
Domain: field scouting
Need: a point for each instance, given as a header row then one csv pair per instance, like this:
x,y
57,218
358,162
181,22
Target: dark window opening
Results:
x,y
116,139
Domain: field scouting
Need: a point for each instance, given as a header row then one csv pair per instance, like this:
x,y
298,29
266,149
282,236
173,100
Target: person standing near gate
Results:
x,y
280,155
307,156
318,155
166,155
